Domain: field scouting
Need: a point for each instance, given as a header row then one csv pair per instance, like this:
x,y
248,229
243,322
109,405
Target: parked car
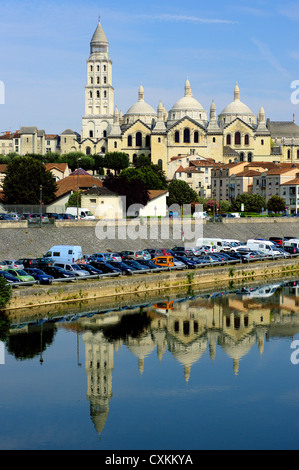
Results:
x,y
58,273
187,261
155,253
133,255
148,263
29,263
5,217
91,269
39,275
45,261
9,278
136,265
106,267
73,268
124,267
35,218
114,256
3,265
21,275
14,264
100,257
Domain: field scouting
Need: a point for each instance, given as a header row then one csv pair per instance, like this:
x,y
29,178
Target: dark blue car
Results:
x,y
39,275
10,279
91,269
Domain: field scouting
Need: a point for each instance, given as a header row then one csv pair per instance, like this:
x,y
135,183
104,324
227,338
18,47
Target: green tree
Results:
x,y
252,203
74,199
24,175
134,190
276,204
180,193
116,161
146,174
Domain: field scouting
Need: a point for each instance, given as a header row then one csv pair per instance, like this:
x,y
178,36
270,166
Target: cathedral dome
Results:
x,y
236,109
140,110
187,106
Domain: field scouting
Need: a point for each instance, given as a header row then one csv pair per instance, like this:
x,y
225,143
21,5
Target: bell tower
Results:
x,y
99,93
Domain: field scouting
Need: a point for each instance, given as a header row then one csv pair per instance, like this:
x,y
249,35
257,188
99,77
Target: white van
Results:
x,y
84,214
218,243
65,253
293,242
264,246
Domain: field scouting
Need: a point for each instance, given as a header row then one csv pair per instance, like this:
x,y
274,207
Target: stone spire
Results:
x,y
237,93
213,125
141,93
188,91
160,126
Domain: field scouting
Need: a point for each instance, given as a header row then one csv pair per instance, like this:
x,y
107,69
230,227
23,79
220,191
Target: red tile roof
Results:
x,y
69,184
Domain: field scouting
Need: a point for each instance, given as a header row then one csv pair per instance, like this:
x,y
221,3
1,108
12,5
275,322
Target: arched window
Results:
x,y
105,94
138,139
196,137
160,164
177,137
250,157
237,138
241,157
134,158
104,133
148,141
91,134
228,139
90,94
88,150
289,154
246,139
98,94
187,136
129,141
297,153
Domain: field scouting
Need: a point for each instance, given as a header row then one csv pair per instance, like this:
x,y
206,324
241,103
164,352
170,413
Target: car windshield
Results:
x,y
75,267
22,273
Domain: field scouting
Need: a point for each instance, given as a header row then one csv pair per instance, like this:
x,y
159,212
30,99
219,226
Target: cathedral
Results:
x,y
187,128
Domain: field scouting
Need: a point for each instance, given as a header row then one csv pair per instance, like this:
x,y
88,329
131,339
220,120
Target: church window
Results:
x,y
177,137
262,142
88,150
186,136
129,141
104,133
103,150
91,68
90,133
289,154
91,80
250,157
90,94
138,139
246,139
196,137
186,328
115,145
297,153
148,141
134,158
98,68
105,80
98,94
105,94
98,80
237,138
160,164
228,139
214,139
105,68
241,157
159,140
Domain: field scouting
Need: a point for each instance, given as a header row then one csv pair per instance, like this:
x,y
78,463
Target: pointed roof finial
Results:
x,y
237,92
188,91
141,93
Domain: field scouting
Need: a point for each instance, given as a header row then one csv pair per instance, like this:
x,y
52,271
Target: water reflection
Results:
x,y
187,328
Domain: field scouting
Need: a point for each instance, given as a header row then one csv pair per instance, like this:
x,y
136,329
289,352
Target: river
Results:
x,y
199,371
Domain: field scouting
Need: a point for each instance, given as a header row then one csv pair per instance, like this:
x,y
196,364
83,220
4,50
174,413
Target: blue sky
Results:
x,y
45,45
